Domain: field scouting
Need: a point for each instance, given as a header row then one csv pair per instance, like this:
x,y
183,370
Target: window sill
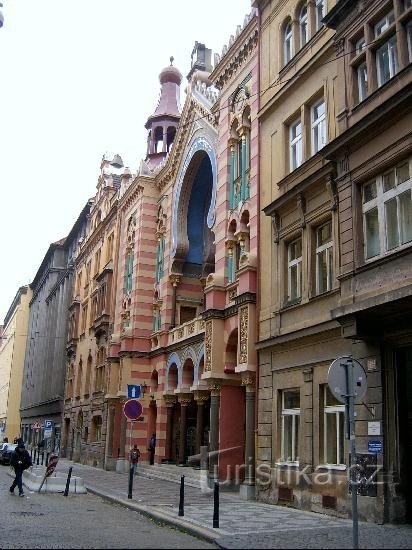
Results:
x,y
287,464
383,259
337,467
291,304
326,294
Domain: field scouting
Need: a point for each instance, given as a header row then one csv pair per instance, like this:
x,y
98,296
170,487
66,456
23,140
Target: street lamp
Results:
x,y
1,16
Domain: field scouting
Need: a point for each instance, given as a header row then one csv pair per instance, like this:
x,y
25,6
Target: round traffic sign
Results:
x,y
338,379
132,409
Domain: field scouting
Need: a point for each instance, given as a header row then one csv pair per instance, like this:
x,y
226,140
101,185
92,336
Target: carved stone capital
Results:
x,y
174,279
201,397
214,386
169,400
185,400
249,380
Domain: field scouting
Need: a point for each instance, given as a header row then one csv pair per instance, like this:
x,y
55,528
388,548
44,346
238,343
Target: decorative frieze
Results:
x,y
208,346
244,326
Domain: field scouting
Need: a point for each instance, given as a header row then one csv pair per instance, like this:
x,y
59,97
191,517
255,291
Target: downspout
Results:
x,y
258,249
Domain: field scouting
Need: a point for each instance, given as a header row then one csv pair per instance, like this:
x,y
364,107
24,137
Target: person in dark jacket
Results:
x,y
20,460
152,448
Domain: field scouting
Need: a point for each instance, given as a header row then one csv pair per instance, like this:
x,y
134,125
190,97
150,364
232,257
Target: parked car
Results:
x,y
6,450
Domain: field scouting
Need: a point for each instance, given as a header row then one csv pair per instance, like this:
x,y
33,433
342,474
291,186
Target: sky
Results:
x,y
79,78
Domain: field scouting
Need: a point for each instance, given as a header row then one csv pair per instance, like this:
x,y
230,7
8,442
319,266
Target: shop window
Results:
x,y
290,418
324,258
387,211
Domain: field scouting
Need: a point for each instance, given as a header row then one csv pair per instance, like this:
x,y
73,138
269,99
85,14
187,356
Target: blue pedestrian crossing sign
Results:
x,y
133,392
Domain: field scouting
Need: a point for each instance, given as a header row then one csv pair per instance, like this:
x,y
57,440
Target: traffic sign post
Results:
x,y
347,382
132,410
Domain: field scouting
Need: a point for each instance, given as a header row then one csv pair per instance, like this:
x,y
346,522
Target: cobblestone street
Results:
x,y
79,521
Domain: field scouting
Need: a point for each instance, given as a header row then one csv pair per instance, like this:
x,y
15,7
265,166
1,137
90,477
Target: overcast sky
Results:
x,y
79,78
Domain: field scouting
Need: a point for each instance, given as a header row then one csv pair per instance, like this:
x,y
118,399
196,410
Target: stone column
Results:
x,y
170,404
174,279
214,431
247,490
184,403
200,398
109,438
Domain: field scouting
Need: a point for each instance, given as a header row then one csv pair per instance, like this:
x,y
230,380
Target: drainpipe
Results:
x,y
258,245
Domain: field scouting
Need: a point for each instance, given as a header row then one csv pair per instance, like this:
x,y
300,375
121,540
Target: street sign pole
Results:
x,y
350,407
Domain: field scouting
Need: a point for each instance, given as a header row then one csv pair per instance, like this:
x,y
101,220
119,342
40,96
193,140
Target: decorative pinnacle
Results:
x,y
171,61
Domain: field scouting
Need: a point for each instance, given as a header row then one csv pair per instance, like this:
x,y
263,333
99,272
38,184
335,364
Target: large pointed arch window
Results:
x,y
160,253
239,161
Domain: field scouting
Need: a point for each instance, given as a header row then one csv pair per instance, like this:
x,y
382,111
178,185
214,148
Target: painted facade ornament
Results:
x,y
244,325
208,346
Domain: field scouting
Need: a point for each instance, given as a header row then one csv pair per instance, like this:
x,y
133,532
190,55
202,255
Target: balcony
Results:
x,y
101,324
187,330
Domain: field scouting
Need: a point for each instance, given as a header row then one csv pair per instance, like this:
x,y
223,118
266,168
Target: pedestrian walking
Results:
x,y
134,458
20,460
152,448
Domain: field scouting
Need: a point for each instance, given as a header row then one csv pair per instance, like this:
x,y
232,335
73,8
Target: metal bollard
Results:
x,y
47,459
182,497
42,458
35,455
66,491
38,458
216,506
31,454
130,493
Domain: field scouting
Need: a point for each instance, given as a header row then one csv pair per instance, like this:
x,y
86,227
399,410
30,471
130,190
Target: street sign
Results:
x,y
48,424
133,391
375,447
48,433
53,460
132,409
36,426
339,383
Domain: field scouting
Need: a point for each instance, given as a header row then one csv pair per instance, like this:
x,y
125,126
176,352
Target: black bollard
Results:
x,y
182,497
131,476
47,459
216,507
42,458
38,458
31,454
35,454
66,491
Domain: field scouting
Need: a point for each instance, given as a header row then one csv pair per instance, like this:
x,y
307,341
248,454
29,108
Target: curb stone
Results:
x,y
186,526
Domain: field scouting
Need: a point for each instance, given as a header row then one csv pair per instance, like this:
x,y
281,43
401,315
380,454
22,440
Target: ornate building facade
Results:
x,y
185,318
90,323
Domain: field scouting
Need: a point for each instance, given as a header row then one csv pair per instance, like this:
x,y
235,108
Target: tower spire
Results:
x,y
162,124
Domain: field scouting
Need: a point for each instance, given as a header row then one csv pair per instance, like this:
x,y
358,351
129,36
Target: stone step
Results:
x,y
167,472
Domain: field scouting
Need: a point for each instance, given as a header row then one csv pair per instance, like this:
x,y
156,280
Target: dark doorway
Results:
x,y
404,387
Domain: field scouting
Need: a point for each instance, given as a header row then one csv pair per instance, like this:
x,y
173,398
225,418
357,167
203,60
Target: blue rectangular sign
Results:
x,y
375,447
48,424
133,392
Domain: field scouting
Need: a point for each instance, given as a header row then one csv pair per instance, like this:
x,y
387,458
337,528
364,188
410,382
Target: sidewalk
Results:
x,y
242,524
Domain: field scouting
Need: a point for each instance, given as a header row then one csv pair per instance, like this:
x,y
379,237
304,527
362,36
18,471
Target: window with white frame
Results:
x,y
386,61
318,121
303,26
295,144
384,24
362,73
290,417
287,43
333,430
409,38
324,258
387,211
360,45
320,12
295,270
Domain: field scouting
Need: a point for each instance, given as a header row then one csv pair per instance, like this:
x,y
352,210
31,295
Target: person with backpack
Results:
x,y
134,458
20,461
